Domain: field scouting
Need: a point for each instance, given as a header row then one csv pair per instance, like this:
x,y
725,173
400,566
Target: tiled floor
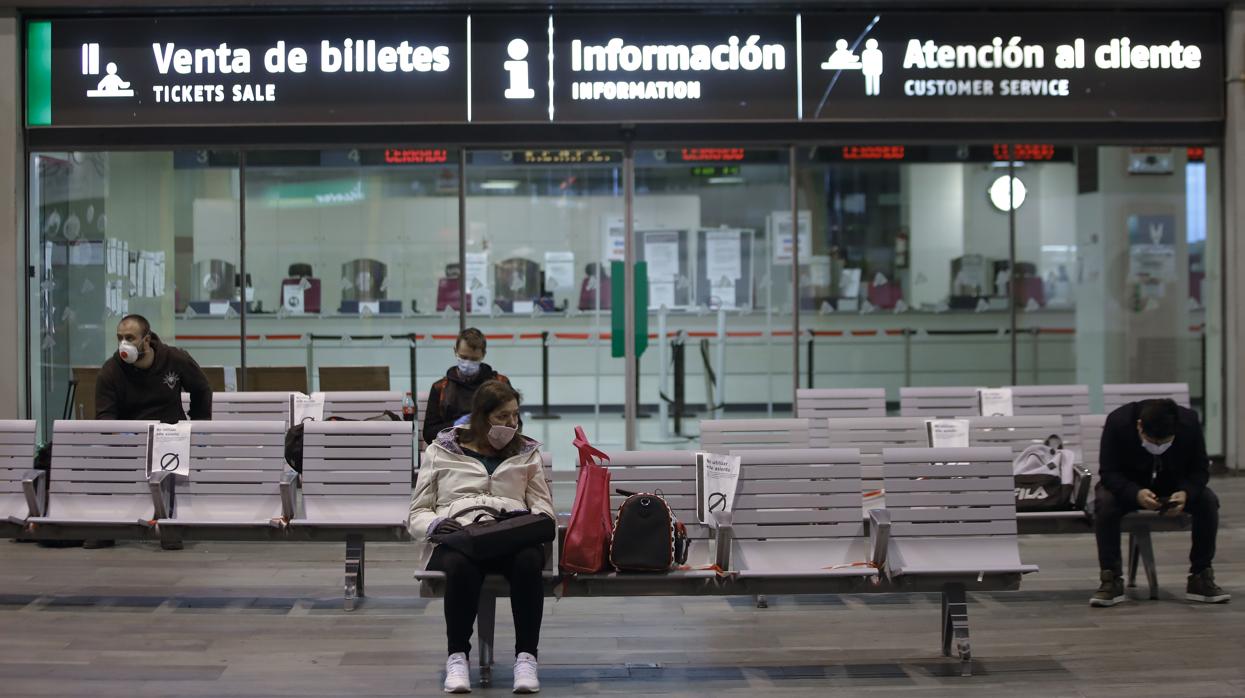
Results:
x,y
265,620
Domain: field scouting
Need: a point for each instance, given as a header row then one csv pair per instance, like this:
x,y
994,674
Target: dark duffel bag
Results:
x,y
647,536
494,533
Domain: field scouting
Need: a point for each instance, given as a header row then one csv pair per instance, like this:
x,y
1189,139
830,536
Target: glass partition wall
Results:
x,y
906,254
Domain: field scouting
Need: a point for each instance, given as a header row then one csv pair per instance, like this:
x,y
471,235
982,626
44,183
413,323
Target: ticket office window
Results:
x,y
542,228
1116,258
114,233
713,225
348,252
904,281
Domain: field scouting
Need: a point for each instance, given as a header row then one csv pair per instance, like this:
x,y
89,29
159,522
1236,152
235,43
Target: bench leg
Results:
x,y
955,626
1145,551
486,619
354,571
762,601
1133,559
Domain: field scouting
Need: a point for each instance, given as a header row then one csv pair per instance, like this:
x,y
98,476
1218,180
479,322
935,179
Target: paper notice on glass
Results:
x,y
1157,262
780,232
661,251
722,293
218,307
660,293
307,408
168,448
476,273
723,255
292,299
849,283
559,271
995,402
947,433
85,253
716,478
613,241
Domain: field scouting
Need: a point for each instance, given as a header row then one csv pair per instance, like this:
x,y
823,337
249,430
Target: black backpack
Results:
x,y
294,437
647,536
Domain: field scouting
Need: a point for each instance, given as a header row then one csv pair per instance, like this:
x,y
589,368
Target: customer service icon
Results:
x,y
869,63
112,84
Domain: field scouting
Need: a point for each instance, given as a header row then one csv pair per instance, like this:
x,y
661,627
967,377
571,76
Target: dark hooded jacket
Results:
x,y
123,391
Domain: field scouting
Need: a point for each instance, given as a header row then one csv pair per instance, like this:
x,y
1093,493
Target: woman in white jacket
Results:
x,y
484,463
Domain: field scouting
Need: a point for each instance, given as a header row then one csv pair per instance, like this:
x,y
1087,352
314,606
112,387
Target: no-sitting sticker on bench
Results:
x,y
168,449
995,402
716,480
307,408
947,433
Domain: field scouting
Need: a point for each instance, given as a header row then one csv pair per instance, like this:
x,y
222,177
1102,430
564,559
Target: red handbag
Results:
x,y
586,549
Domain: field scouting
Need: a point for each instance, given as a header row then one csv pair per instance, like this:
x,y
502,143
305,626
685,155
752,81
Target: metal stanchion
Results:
x,y
544,379
812,336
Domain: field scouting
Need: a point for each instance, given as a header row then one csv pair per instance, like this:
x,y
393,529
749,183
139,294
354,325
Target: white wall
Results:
x,y
934,213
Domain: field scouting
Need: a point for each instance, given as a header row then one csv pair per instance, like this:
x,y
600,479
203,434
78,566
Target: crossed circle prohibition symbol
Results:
x,y
717,501
169,461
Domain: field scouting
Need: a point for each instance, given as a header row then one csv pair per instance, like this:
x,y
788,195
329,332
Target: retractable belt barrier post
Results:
x,y
544,379
677,349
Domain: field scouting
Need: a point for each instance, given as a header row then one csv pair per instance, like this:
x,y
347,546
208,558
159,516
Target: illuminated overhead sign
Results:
x,y
624,68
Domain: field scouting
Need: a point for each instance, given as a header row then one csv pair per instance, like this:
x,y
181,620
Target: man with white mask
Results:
x,y
145,378
1154,457
449,400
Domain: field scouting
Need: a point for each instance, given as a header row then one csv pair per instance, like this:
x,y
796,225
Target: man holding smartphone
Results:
x,y
1154,457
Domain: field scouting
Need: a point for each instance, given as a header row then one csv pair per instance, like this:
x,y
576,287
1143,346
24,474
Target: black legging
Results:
x,y
463,579
1108,510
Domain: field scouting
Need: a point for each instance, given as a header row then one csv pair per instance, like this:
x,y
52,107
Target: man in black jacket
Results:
x,y
450,398
1154,457
145,378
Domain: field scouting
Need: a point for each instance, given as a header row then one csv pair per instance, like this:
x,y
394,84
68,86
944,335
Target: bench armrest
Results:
x,y
1082,482
291,482
161,486
879,535
35,487
724,536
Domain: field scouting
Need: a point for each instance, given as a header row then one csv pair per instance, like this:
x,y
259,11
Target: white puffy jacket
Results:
x,y
450,481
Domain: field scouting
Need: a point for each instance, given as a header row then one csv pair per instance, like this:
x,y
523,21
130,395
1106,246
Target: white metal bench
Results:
x,y
356,486
363,404
17,454
1066,401
235,487
726,435
819,404
1020,432
951,515
943,402
99,483
873,434
252,406
1116,395
796,525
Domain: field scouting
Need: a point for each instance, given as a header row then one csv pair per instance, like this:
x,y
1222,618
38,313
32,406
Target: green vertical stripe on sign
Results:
x,y
39,74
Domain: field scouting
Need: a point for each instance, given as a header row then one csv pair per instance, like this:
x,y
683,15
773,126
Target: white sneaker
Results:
x,y
525,678
457,674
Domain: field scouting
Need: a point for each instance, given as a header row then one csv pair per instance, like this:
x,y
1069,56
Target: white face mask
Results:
x,y
499,435
1156,449
468,368
128,352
